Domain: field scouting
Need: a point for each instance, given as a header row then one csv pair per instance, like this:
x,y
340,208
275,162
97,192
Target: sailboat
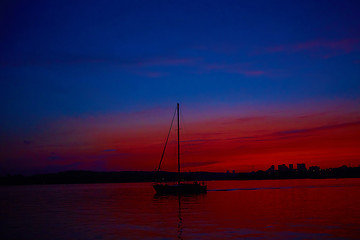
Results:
x,y
179,187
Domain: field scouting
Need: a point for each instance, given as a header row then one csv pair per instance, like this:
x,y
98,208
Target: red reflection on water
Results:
x,y
276,209
313,208
291,209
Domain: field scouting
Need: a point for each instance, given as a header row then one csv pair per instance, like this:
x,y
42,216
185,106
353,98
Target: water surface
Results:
x,y
270,209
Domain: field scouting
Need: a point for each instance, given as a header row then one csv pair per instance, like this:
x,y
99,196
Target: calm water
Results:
x,y
276,209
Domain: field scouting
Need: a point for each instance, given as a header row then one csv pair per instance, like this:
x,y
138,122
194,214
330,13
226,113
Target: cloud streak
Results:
x,y
237,68
326,48
93,59
316,129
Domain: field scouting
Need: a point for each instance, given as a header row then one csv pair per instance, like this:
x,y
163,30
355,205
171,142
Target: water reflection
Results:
x,y
166,200
180,229
287,209
184,207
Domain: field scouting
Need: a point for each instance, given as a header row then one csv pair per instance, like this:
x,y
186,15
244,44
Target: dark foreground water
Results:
x,y
276,209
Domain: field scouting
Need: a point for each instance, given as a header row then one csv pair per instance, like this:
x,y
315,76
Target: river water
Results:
x,y
268,209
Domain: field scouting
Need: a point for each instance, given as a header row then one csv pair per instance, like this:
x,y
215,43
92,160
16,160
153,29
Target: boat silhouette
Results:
x,y
179,187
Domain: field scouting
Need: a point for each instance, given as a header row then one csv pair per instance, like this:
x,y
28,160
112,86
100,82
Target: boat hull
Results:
x,y
182,188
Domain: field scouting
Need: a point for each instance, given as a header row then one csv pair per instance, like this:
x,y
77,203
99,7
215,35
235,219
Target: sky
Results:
x,y
86,85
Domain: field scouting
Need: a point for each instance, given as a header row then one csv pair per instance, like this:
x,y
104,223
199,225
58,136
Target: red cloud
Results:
x,y
233,142
347,45
327,48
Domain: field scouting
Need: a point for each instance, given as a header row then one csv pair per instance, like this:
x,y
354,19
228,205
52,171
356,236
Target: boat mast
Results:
x,y
178,143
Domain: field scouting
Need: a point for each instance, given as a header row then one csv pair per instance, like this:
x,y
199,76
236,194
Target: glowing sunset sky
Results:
x,y
93,86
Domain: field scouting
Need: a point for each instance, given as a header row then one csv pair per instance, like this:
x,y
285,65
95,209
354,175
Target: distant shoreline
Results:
x,y
83,177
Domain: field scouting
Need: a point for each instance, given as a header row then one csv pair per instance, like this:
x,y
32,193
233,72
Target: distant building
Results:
x,y
271,170
283,168
291,166
301,167
314,169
